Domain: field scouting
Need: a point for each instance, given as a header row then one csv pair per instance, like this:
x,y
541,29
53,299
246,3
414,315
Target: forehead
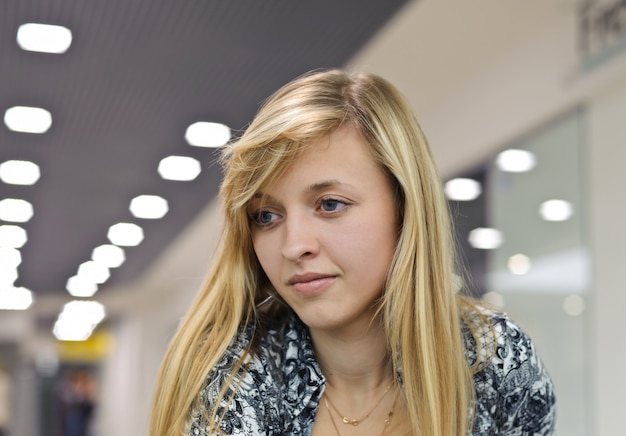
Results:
x,y
346,142
342,157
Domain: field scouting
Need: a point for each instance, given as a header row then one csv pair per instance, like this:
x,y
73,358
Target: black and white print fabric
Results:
x,y
280,390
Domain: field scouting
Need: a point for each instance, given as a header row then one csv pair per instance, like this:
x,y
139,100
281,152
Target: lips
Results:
x,y
310,283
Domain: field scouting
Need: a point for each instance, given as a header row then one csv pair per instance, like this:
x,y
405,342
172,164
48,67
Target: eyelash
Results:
x,y
323,200
255,217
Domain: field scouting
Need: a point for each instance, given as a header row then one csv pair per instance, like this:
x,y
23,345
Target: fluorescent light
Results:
x,y
10,257
12,236
556,210
78,320
93,271
8,275
15,298
19,172
574,305
45,38
80,286
110,255
205,134
149,206
461,189
125,234
485,238
181,168
65,330
516,161
15,210
519,264
27,119
90,312
494,298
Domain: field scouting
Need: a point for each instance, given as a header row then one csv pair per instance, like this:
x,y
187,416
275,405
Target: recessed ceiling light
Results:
x,y
149,206
574,305
12,236
77,320
516,161
205,134
494,298
90,312
109,255
125,234
8,275
94,271
10,257
15,210
19,172
12,298
27,119
485,238
556,210
79,286
462,189
65,330
45,38
519,264
181,168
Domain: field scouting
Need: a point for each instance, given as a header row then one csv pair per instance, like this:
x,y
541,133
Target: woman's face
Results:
x,y
325,232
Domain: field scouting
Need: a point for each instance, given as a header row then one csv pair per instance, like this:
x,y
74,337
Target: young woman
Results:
x,y
332,308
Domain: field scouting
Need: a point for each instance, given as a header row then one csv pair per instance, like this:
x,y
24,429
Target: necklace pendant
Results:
x,y
388,420
347,420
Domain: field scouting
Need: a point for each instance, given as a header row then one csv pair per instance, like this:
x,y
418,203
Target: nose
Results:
x,y
300,239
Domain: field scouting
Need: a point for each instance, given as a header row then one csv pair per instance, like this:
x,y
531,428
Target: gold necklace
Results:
x,y
332,420
387,420
356,422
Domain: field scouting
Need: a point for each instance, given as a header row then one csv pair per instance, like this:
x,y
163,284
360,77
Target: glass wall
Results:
x,y
529,253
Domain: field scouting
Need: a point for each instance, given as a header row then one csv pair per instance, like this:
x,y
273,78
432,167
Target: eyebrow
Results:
x,y
314,187
260,196
323,185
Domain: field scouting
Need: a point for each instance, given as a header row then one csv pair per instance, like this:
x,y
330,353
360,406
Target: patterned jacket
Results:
x,y
280,392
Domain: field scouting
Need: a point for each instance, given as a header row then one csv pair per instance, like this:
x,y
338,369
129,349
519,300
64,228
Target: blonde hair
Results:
x,y
420,310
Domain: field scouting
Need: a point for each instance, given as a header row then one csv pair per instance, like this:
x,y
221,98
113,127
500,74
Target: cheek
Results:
x,y
368,246
265,251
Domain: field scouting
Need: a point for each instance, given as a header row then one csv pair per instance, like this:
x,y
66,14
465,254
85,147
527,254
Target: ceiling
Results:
x,y
137,74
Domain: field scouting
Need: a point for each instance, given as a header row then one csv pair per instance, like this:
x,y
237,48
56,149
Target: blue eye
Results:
x,y
332,205
263,218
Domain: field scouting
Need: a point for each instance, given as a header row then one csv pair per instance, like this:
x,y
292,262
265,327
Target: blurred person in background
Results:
x,y
75,403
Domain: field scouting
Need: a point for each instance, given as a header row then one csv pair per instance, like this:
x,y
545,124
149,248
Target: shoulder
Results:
x,y
514,392
240,388
257,388
493,338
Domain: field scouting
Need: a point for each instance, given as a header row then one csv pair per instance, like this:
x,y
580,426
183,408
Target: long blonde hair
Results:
x,y
420,309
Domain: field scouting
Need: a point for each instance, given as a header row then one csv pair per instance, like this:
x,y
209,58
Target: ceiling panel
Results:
x,y
136,75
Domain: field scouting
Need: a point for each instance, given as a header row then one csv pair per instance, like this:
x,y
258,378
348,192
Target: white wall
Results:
x,y
607,353
558,255
481,73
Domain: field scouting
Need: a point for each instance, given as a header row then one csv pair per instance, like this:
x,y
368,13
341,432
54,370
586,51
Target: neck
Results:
x,y
357,362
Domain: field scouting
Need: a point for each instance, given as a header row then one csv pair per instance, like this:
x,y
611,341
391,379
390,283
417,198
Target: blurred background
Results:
x,y
113,115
